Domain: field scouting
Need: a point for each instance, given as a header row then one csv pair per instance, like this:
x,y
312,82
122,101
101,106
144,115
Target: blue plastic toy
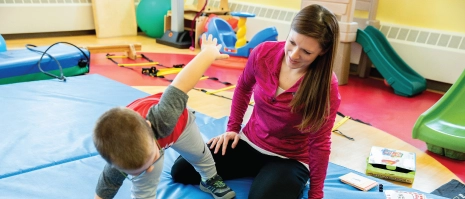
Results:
x,y
2,44
226,36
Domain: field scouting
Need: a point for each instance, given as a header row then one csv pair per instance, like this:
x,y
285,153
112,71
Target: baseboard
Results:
x,y
431,85
55,34
48,34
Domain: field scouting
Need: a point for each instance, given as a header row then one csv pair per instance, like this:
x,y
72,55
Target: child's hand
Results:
x,y
210,46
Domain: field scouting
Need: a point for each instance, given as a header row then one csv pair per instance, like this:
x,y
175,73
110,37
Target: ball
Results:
x,y
150,16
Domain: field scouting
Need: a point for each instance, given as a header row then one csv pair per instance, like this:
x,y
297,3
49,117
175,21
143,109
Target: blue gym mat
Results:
x,y
21,65
46,149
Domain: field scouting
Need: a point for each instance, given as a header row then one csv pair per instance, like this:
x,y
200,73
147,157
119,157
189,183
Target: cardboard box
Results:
x,y
358,181
391,164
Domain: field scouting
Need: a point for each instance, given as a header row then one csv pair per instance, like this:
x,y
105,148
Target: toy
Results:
x,y
442,127
195,18
391,164
241,28
231,21
221,30
150,16
398,74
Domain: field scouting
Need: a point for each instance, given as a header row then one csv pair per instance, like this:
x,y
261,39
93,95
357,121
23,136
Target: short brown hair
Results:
x,y
123,138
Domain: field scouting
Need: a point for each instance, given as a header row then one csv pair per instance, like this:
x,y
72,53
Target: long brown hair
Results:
x,y
123,138
312,98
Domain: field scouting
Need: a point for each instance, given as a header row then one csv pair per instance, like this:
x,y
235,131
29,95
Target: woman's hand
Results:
x,y
223,140
209,45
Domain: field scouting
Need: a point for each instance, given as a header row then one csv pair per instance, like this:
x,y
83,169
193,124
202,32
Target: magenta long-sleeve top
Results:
x,y
272,125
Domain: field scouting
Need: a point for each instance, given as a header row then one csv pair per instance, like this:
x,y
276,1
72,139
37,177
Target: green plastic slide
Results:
x,y
398,74
442,126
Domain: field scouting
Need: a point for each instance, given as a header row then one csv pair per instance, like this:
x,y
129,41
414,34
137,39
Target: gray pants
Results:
x,y
191,147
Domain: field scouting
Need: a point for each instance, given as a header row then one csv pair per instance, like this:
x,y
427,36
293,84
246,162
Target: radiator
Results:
x,y
36,16
434,54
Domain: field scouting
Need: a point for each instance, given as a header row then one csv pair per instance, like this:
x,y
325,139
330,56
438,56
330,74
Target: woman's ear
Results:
x,y
148,122
323,52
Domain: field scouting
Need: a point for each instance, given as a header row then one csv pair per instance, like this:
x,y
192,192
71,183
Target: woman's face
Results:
x,y
300,50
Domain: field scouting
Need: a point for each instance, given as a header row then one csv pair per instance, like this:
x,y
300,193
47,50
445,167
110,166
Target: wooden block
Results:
x,y
114,18
114,48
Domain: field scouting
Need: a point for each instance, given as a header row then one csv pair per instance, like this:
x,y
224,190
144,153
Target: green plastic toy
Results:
x,y
391,164
398,74
442,126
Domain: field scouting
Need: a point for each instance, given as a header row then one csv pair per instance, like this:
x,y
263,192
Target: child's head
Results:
x,y
123,138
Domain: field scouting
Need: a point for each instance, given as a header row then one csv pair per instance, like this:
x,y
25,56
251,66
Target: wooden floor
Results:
x,y
351,154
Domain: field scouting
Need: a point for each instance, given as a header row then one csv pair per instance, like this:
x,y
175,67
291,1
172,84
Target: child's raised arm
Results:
x,y
193,71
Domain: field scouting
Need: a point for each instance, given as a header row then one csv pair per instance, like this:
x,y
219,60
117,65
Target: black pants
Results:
x,y
274,177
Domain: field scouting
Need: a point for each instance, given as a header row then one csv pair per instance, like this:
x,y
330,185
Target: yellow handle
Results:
x,y
139,64
120,56
337,125
222,89
162,72
241,31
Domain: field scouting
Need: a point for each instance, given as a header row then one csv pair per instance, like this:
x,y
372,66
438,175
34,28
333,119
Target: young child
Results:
x,y
132,139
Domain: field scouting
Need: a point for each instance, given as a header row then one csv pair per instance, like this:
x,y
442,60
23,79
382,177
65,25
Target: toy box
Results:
x,y
391,164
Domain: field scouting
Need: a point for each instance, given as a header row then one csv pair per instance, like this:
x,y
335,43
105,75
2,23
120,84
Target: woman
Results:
x,y
286,142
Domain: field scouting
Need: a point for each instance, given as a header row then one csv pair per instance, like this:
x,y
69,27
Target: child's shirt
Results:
x,y
168,115
162,118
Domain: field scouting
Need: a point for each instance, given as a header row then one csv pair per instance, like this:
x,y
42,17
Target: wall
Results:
x,y
445,15
426,45
291,4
